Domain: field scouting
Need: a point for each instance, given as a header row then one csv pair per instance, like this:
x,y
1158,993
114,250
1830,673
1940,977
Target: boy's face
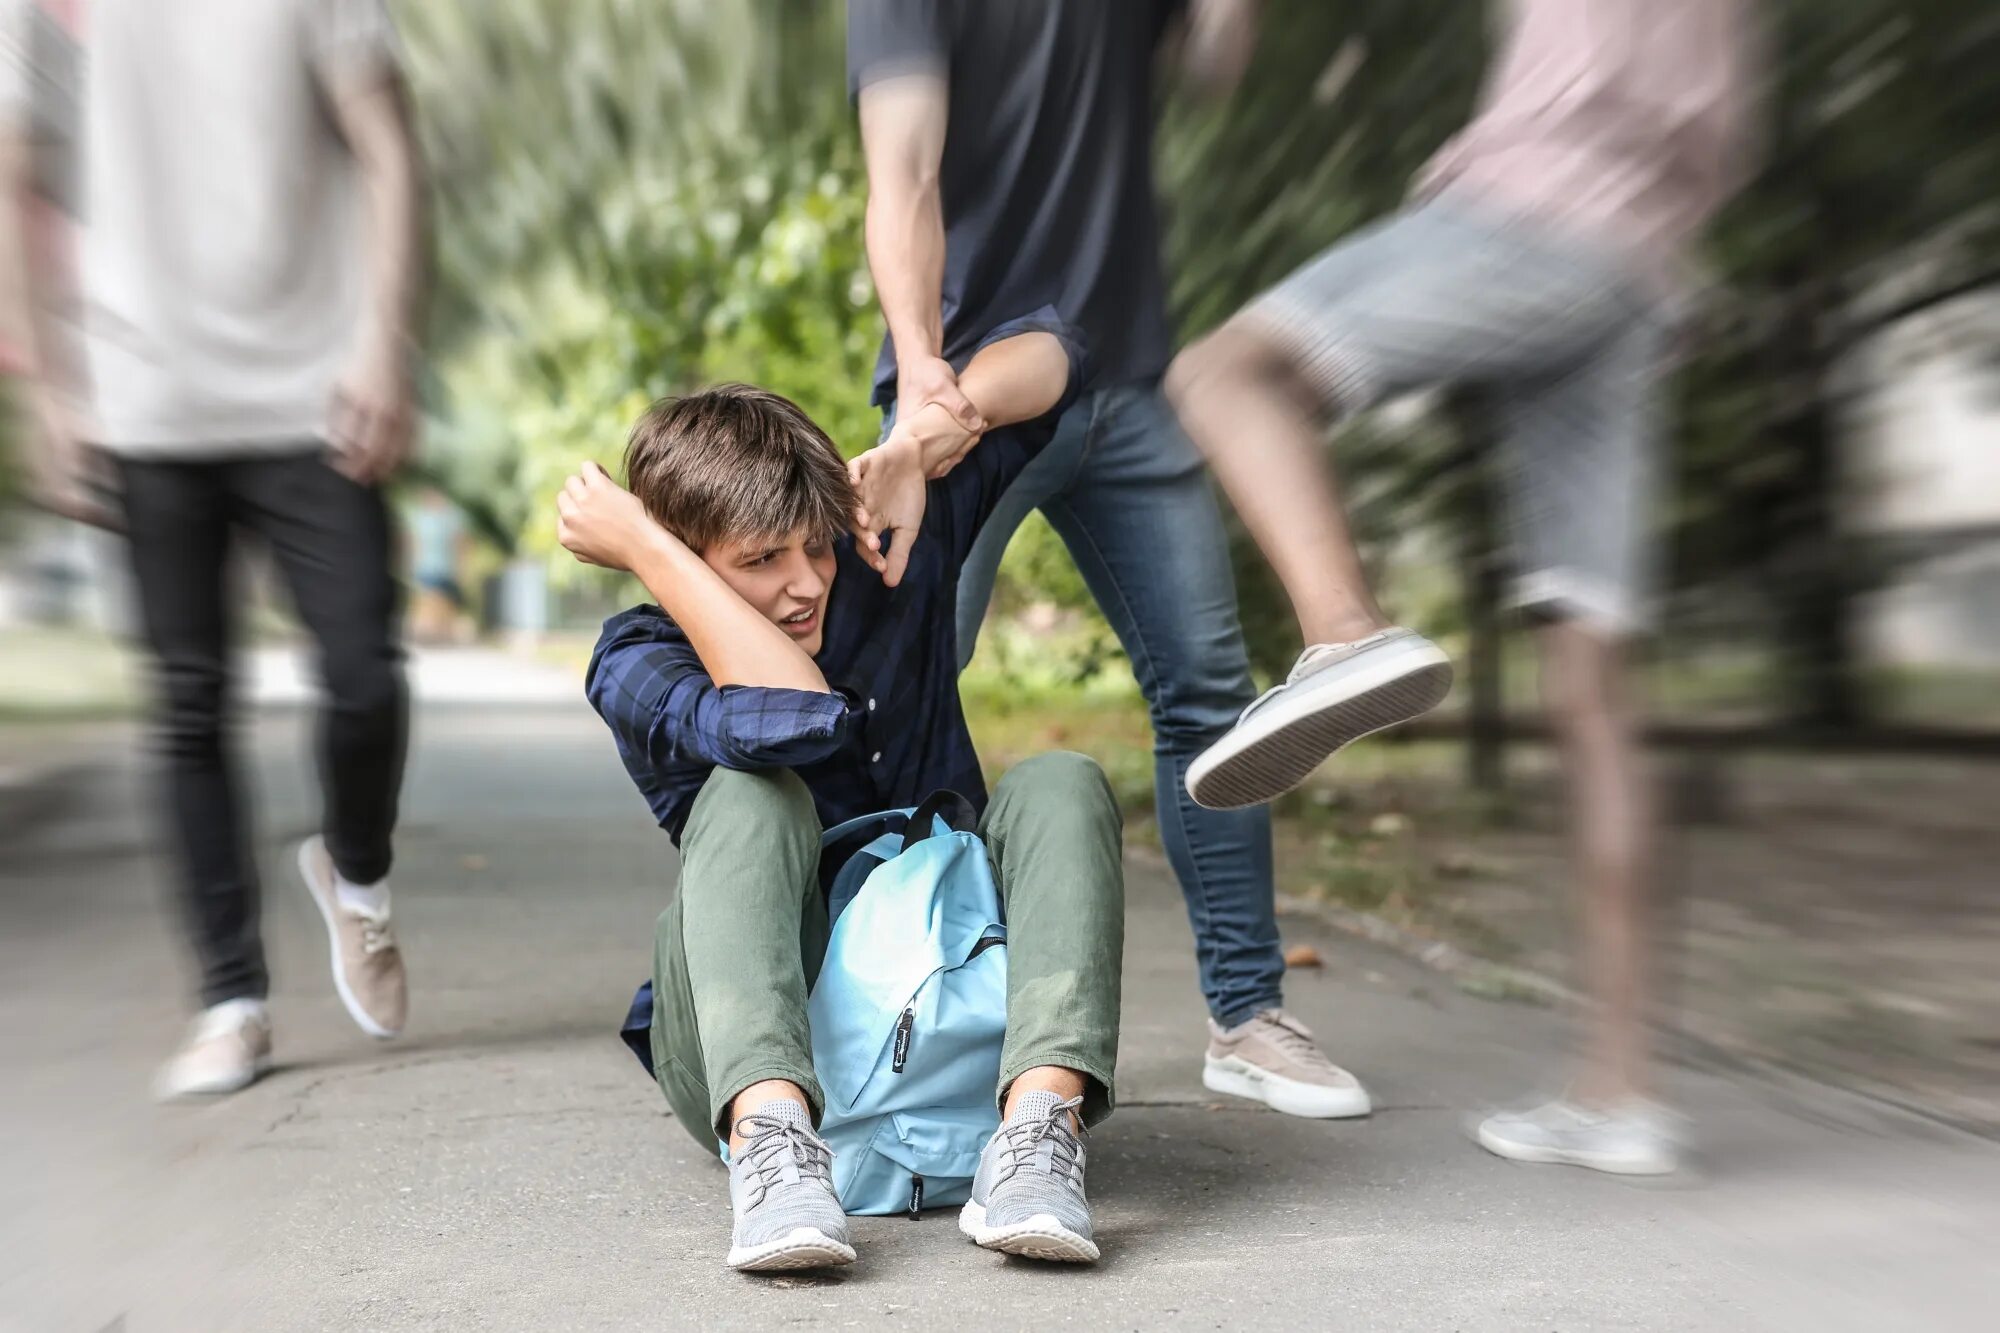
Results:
x,y
786,579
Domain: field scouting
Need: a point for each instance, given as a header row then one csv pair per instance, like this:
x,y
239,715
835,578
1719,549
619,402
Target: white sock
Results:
x,y
233,1013
368,899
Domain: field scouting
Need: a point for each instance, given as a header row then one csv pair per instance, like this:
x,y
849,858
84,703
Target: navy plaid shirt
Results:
x,y
892,732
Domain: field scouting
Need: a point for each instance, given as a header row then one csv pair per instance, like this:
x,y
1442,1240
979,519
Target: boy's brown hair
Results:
x,y
736,463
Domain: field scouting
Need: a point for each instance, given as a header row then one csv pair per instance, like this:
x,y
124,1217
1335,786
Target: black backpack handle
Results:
x,y
957,811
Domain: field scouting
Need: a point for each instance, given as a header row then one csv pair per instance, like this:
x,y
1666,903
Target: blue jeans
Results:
x,y
1124,488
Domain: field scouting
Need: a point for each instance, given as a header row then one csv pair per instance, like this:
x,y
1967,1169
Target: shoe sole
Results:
x,y
360,1016
1278,747
1040,1237
806,1247
1308,1101
1608,1164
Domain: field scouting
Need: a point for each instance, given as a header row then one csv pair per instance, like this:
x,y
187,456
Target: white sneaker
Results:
x,y
1635,1138
227,1048
1337,692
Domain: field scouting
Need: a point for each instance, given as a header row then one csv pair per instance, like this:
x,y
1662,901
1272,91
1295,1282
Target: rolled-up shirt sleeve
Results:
x,y
661,705
887,39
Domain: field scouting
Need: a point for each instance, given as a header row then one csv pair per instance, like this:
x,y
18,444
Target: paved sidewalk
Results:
x,y
506,1166
477,674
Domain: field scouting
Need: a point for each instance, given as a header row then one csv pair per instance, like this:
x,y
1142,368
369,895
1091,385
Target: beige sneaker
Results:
x,y
367,965
227,1048
1273,1059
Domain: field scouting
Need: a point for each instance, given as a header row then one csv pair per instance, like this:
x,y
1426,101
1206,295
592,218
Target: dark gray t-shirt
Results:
x,y
1047,178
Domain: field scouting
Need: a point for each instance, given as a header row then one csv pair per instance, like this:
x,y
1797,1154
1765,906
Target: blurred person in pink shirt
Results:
x,y
249,272
1540,258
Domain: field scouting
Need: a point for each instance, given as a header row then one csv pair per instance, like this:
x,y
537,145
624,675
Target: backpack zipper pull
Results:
x,y
901,1052
916,1198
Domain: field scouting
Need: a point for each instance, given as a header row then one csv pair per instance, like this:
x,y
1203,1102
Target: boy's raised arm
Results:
x,y
602,523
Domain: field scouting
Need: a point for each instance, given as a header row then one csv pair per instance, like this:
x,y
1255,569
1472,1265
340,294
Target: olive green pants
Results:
x,y
739,948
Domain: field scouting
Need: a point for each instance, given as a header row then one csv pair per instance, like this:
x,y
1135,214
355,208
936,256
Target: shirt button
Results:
x,y
876,758
871,705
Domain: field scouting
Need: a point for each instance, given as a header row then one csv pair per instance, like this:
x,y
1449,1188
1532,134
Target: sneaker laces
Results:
x,y
770,1145
1021,1140
1312,659
1293,1038
375,934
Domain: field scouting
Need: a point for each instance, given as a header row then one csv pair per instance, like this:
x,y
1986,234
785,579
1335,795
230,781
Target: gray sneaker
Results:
x,y
1635,1138
1337,692
781,1188
1027,1197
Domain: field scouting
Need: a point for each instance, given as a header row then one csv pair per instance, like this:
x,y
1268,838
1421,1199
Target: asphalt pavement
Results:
x,y
507,1166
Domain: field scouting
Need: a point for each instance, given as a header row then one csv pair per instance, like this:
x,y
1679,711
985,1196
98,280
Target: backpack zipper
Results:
x,y
901,1052
916,1198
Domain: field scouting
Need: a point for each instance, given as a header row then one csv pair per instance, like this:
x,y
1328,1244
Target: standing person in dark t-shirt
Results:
x,y
1009,153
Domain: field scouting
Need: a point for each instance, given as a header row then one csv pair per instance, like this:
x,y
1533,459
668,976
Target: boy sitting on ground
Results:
x,y
794,676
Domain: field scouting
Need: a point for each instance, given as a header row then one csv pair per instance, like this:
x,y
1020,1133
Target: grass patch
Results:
x,y
67,675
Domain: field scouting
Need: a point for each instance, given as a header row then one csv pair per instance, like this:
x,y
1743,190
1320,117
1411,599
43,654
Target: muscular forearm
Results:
x,y
736,644
905,236
902,139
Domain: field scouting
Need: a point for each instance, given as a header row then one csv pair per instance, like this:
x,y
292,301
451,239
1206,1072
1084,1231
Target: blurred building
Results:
x,y
1925,482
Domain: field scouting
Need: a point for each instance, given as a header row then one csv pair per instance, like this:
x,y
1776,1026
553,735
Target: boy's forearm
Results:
x,y
736,643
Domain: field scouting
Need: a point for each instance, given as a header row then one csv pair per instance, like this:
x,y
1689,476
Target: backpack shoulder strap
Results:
x,y
945,804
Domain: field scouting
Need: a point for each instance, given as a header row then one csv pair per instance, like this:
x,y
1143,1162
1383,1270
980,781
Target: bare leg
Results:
x,y
1244,406
1584,689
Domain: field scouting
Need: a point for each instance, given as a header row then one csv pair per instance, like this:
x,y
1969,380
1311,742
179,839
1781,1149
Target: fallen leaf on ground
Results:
x,y
1303,955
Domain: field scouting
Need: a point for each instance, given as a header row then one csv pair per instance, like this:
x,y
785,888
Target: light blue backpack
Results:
x,y
910,1009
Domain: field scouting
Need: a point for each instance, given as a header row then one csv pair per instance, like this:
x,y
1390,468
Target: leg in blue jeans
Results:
x,y
1127,493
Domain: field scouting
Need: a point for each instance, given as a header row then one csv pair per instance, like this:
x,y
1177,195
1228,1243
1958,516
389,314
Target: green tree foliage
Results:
x,y
637,196
633,199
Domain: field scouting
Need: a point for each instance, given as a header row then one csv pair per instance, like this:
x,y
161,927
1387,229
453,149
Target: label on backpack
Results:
x,y
900,1054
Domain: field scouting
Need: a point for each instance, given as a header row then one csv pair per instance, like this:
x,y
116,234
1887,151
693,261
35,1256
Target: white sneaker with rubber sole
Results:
x,y
787,1216
1632,1139
228,1048
1336,693
1028,1198
367,964
1272,1058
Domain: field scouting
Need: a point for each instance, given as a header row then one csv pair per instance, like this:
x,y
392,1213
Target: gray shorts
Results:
x,y
1569,339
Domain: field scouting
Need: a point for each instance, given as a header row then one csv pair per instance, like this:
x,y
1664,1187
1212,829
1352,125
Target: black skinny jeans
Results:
x,y
331,541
